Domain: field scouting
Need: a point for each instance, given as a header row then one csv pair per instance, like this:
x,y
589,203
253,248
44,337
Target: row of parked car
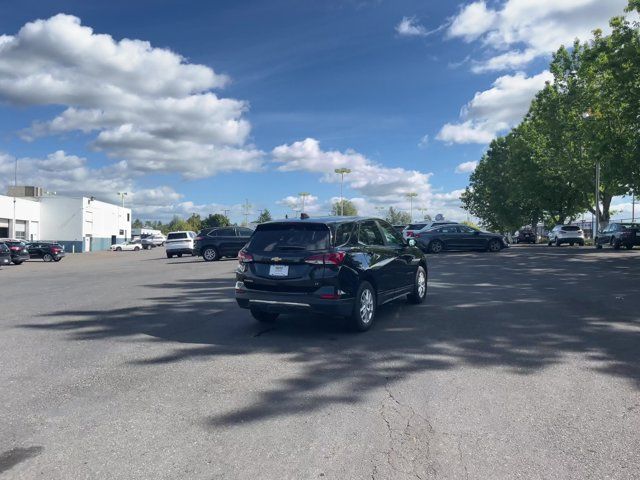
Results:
x,y
616,235
18,251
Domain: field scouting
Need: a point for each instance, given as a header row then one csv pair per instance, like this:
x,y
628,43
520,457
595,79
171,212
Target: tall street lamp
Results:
x,y
342,172
303,196
122,195
411,196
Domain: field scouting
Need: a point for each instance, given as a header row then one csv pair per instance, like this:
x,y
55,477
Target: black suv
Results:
x,y
525,235
18,249
343,266
47,251
215,243
619,234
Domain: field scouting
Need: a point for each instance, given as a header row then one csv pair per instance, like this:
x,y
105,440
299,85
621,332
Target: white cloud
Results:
x,y
409,27
144,104
466,167
494,110
519,31
377,185
424,142
472,21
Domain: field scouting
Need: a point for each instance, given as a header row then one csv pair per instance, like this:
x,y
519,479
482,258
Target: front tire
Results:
x,y
629,246
136,249
419,287
118,249
169,255
47,257
179,255
598,246
436,246
210,254
364,310
558,244
264,317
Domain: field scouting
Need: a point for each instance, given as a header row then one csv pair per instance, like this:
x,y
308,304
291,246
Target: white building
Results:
x,y
81,224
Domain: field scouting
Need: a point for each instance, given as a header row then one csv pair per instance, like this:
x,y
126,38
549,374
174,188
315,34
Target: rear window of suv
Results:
x,y
274,237
175,236
570,228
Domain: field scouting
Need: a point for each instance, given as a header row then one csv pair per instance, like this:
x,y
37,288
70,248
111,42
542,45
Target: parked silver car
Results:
x,y
570,234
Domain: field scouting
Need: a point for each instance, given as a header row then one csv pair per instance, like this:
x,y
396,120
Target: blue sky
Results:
x,y
407,92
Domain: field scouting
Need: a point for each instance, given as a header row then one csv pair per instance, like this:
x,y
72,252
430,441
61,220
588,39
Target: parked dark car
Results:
x,y
459,237
5,254
18,250
618,234
215,243
525,235
343,266
47,251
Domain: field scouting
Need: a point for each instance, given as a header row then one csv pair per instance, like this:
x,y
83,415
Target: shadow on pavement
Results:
x,y
519,310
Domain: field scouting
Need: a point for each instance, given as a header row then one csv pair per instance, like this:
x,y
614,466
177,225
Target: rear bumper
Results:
x,y
5,260
570,239
20,257
175,251
276,302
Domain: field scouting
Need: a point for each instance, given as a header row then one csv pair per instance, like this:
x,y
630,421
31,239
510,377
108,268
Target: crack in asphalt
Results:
x,y
409,443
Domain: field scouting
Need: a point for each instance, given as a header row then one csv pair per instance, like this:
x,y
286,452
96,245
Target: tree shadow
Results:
x,y
517,310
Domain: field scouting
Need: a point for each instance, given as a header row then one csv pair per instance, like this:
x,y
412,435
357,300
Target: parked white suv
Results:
x,y
179,243
570,234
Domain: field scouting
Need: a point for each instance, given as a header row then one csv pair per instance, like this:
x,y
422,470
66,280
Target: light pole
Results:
x,y
633,206
15,191
122,195
246,212
303,196
342,172
411,196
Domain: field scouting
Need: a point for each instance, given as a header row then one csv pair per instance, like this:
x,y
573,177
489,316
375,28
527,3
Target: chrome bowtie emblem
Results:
x,y
276,259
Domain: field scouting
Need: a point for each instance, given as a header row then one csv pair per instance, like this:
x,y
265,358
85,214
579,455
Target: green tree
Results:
x,y
265,216
346,208
215,220
137,223
397,217
194,222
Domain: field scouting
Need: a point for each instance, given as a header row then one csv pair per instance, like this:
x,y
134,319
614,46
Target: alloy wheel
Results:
x,y
422,284
366,306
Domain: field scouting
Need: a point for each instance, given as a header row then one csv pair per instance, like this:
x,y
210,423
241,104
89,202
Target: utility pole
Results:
x,y
633,206
411,196
303,196
342,172
246,212
15,190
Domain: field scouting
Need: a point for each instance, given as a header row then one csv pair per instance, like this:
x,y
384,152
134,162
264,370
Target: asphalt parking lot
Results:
x,y
523,364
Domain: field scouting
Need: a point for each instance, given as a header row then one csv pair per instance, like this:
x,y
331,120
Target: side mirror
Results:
x,y
412,242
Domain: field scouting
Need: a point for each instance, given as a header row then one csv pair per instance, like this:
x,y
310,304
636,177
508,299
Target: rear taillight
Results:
x,y
244,257
55,250
333,258
410,234
198,238
15,249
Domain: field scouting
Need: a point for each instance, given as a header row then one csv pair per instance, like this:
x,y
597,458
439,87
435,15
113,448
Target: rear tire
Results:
x,y
136,249
558,244
47,257
571,244
179,255
419,287
364,309
17,262
118,249
629,246
210,254
169,255
436,246
599,246
57,259
494,246
264,317
616,244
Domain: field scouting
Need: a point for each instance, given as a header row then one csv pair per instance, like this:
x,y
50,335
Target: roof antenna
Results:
x,y
303,216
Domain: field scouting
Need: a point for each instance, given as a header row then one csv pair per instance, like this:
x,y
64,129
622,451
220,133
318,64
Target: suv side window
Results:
x,y
226,232
212,233
465,229
391,237
449,229
244,232
343,233
369,234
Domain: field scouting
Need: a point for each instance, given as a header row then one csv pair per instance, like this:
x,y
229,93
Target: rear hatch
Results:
x,y
571,231
411,229
286,257
178,240
631,233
